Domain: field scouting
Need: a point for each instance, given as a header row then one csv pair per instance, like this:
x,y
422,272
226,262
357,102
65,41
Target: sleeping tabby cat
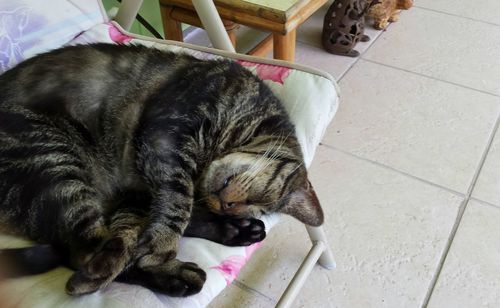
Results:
x,y
109,154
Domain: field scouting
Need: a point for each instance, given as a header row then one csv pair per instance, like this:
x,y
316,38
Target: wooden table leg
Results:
x,y
171,27
284,46
263,48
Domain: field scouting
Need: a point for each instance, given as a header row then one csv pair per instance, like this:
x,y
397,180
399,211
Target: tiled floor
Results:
x,y
408,173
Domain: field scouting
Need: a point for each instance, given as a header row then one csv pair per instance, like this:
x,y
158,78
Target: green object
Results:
x,y
150,11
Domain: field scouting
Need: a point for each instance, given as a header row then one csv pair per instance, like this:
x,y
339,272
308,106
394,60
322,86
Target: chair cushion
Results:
x,y
311,99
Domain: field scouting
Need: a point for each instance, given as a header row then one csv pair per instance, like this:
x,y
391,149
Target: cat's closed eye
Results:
x,y
227,180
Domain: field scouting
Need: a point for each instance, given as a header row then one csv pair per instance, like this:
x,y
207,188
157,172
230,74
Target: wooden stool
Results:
x,y
280,17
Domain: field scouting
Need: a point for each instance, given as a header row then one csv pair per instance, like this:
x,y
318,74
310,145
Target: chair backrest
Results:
x,y
30,27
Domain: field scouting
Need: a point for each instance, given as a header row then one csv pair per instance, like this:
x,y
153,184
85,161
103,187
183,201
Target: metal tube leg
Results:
x,y
213,24
127,12
319,253
300,277
317,234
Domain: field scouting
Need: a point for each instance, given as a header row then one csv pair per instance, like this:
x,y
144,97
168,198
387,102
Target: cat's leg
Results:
x,y
68,206
47,191
167,159
118,257
173,278
168,217
115,255
168,166
226,230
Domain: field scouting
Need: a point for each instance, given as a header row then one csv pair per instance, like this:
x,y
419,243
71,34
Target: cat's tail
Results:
x,y
16,262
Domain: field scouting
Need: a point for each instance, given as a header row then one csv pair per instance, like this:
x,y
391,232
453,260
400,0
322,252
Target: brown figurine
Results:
x,y
343,26
386,11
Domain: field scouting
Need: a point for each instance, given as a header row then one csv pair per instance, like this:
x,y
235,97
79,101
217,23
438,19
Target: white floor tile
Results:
x,y
445,47
488,184
429,129
387,232
484,10
320,59
471,272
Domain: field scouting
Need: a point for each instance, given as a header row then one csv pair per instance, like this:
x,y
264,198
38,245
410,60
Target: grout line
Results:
x,y
456,15
446,250
250,290
361,55
431,77
460,215
395,170
351,64
485,203
483,157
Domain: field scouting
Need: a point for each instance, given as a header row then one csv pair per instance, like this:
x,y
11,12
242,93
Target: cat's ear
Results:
x,y
303,204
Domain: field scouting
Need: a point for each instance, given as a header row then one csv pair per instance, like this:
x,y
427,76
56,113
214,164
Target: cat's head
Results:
x,y
267,176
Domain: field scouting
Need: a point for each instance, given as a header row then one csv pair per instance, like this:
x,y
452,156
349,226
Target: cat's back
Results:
x,y
81,78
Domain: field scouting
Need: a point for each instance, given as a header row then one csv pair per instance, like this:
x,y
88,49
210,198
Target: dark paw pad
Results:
x,y
243,232
174,278
188,280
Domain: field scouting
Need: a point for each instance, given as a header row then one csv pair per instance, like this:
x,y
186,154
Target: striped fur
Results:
x,y
107,151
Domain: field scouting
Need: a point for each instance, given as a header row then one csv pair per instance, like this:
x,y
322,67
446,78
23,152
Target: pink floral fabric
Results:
x,y
231,266
267,71
116,36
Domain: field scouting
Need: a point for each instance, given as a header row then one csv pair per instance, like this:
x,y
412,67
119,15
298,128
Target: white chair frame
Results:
x,y
320,251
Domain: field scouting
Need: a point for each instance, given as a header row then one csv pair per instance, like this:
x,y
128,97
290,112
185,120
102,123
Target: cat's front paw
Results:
x,y
243,232
156,247
173,278
184,279
106,263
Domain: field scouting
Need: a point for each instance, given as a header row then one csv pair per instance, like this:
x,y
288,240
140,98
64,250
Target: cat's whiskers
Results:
x,y
256,166
276,154
265,160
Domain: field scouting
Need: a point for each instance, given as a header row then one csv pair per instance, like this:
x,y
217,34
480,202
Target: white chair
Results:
x,y
85,22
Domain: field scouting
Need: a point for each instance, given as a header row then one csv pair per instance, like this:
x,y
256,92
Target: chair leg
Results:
x,y
231,28
319,253
171,27
301,275
317,234
212,23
